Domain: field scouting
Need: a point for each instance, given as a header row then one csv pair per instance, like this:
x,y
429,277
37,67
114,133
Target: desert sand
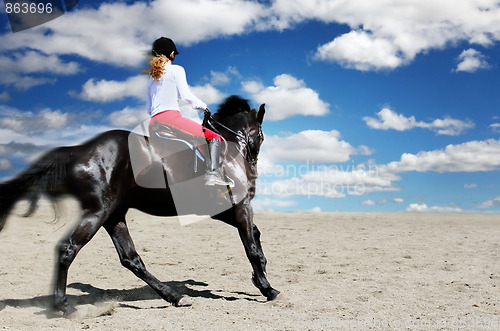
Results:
x,y
376,271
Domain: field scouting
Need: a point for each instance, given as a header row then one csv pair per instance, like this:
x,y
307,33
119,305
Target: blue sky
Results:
x,y
371,105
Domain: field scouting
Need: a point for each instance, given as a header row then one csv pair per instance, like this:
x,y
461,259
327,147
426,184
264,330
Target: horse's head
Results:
x,y
255,134
235,113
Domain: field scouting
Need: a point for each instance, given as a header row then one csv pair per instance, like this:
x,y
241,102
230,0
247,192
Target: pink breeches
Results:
x,y
174,119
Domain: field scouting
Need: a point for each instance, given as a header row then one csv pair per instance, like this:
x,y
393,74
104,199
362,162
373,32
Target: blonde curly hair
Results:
x,y
157,66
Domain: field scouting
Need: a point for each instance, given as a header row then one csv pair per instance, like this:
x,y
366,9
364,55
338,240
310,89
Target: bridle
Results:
x,y
209,121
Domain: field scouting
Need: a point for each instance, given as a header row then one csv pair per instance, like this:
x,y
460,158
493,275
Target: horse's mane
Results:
x,y
232,106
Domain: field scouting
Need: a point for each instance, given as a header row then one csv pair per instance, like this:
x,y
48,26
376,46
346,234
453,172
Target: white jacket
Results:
x,y
166,93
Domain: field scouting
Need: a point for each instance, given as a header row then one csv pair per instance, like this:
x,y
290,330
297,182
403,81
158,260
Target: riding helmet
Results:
x,y
164,46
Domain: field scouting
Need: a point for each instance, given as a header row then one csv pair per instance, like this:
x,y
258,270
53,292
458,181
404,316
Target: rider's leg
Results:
x,y
174,119
213,174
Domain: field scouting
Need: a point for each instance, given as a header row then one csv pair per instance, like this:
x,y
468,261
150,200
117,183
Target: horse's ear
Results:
x,y
260,114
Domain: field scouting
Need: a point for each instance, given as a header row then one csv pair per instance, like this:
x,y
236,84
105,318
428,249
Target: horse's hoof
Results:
x,y
277,297
64,307
184,302
70,312
280,297
281,301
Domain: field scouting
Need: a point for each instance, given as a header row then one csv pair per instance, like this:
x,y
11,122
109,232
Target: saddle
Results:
x,y
166,132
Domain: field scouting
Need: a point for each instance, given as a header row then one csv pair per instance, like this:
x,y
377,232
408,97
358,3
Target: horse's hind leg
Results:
x,y
68,248
131,260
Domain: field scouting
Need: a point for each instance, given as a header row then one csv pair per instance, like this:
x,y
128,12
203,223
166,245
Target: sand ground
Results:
x,y
379,271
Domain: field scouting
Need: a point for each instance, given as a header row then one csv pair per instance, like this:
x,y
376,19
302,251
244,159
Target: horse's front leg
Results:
x,y
250,237
256,235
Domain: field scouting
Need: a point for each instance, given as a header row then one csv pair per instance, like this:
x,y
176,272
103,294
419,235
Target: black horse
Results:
x,y
102,176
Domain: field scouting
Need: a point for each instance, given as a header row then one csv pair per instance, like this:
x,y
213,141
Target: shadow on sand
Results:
x,y
94,296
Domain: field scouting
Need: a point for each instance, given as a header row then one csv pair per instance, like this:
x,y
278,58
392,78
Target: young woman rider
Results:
x,y
166,86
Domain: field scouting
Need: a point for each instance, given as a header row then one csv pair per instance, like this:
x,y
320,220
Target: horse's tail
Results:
x,y
45,175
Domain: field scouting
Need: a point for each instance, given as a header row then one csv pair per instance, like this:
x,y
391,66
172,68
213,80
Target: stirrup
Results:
x,y
212,178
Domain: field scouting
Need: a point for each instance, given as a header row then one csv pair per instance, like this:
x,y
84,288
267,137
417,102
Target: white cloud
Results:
x,y
135,86
24,134
310,146
422,207
368,203
111,90
208,93
53,119
128,117
33,123
332,180
35,62
471,60
319,166
449,126
388,119
17,70
5,164
417,207
470,186
213,18
471,156
362,51
124,42
495,127
24,82
288,97
66,136
219,78
490,203
386,34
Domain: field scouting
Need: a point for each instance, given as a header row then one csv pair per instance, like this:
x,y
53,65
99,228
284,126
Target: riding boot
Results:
x,y
213,174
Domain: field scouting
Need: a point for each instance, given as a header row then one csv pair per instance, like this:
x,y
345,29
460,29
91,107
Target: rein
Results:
x,y
210,121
